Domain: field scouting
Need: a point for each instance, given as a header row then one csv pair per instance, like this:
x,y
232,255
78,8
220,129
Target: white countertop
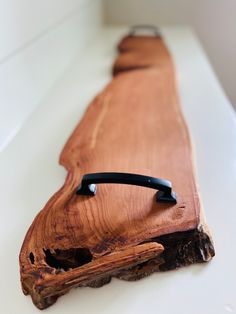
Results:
x,y
30,174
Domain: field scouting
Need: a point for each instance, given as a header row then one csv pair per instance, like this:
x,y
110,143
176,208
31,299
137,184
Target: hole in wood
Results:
x,y
66,259
31,257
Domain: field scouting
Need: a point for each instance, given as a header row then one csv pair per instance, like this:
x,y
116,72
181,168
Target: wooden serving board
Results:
x,y
136,126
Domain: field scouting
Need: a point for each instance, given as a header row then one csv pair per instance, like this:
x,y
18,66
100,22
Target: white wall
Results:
x,y
38,41
213,20
23,20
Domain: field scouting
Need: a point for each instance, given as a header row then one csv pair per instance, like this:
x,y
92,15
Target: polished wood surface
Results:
x,y
135,125
141,52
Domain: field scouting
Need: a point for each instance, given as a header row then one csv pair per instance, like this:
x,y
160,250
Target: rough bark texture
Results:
x,y
135,125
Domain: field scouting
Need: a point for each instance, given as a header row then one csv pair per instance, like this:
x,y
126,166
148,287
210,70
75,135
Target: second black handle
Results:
x,y
151,28
164,187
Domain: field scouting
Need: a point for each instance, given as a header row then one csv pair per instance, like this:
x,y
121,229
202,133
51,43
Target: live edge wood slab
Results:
x,y
135,125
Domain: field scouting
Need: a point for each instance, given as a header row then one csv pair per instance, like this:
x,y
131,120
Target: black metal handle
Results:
x,y
134,29
164,187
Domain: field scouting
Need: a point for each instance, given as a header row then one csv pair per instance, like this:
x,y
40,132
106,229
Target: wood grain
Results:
x,y
135,125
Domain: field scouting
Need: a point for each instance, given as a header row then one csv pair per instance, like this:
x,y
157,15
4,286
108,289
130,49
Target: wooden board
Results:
x,y
135,125
141,52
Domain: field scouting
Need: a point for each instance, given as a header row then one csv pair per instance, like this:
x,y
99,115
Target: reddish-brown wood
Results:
x,y
140,53
135,125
